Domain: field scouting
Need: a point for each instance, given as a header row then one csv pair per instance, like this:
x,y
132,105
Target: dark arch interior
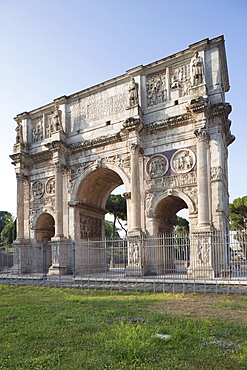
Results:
x,y
166,210
96,187
45,227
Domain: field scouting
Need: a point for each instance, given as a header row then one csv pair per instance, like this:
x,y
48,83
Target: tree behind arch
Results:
x,y
116,205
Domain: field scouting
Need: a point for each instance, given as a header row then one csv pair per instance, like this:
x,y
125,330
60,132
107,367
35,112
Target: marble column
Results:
x,y
58,200
135,187
202,178
20,206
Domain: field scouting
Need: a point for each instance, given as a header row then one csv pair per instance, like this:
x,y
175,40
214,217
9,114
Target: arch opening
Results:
x,y
91,198
95,188
165,212
45,228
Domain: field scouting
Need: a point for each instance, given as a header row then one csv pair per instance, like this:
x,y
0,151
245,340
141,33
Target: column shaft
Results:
x,y
202,178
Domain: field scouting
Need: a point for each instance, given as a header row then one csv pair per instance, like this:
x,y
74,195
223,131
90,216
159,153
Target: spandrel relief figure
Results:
x,y
197,69
133,91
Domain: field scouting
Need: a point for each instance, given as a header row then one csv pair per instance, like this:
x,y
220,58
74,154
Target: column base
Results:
x,y
203,272
134,270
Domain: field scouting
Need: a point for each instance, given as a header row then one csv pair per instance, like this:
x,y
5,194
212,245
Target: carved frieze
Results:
x,y
156,89
172,181
183,161
90,227
157,166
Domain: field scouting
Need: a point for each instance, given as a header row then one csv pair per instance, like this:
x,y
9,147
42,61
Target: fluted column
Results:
x,y
58,200
20,206
135,187
202,178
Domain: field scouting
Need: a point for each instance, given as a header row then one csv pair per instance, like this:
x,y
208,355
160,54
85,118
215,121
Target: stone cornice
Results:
x,y
199,105
99,141
56,145
132,124
183,119
220,109
19,158
39,157
86,206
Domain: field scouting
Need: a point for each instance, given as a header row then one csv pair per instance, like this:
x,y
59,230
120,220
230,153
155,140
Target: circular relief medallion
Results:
x,y
183,161
50,186
38,189
157,166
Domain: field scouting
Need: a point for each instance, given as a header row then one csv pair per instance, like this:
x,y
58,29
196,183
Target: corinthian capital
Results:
x,y
201,134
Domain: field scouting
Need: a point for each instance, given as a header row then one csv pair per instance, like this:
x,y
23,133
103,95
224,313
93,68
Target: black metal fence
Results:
x,y
186,261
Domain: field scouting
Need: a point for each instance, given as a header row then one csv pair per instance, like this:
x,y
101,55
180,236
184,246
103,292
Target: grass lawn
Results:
x,y
53,328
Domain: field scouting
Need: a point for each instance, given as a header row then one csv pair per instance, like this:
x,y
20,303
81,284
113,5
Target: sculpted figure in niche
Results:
x,y
57,118
19,137
133,91
197,69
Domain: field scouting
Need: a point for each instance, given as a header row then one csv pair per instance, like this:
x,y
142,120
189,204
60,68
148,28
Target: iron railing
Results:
x,y
214,258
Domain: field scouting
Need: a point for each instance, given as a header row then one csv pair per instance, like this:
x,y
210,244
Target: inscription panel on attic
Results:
x,y
97,106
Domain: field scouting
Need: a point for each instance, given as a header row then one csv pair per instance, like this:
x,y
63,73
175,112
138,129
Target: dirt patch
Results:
x,y
207,306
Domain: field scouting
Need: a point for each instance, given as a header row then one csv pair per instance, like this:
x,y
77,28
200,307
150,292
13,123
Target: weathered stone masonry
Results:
x,y
162,130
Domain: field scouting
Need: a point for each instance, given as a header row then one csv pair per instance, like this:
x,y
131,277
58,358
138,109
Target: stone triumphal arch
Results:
x,y
161,130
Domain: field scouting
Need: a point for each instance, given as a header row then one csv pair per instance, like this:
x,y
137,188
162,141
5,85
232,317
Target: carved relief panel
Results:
x,y
157,166
183,161
180,78
90,227
37,129
156,89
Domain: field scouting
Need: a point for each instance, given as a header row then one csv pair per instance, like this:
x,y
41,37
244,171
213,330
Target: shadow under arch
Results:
x,y
165,206
95,184
44,227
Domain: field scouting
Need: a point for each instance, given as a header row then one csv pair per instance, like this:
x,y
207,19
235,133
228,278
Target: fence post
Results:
x,y
73,259
44,260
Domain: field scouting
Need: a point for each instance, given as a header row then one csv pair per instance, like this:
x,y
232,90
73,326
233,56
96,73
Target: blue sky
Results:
x,y
57,47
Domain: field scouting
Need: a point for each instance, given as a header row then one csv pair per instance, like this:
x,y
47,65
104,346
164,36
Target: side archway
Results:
x,y
164,207
45,228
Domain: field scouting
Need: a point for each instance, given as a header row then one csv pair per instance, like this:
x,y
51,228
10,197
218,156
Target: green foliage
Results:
x,y
4,217
114,330
116,205
181,226
238,214
8,233
109,230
